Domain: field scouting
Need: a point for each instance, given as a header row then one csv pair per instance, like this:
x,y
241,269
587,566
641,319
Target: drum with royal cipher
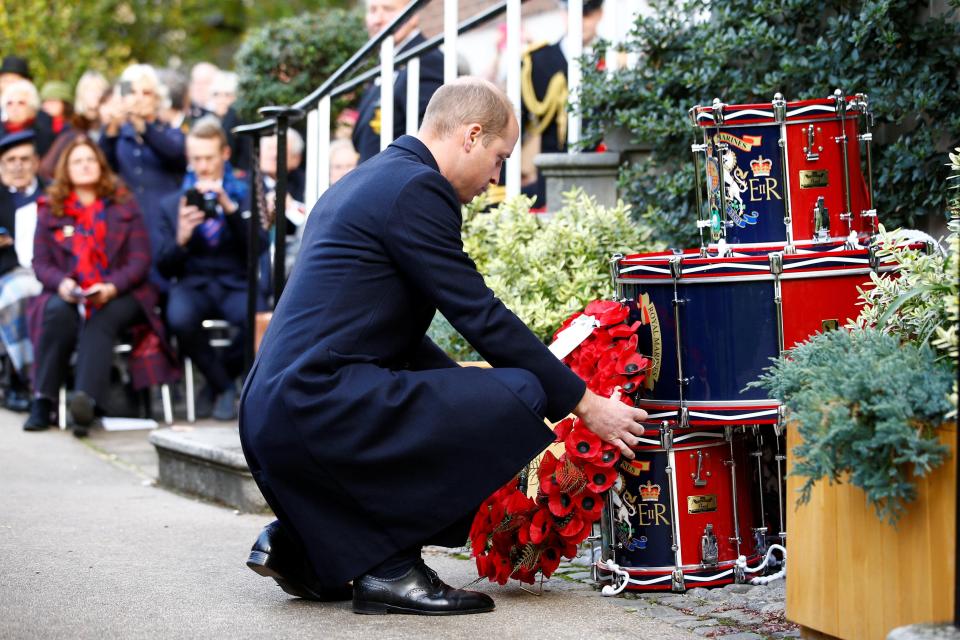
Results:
x,y
712,324
784,172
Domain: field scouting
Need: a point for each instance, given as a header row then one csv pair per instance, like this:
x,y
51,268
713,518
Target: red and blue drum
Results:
x,y
712,324
680,514
785,172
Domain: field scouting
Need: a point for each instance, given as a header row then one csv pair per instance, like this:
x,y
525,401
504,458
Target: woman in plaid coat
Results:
x,y
92,255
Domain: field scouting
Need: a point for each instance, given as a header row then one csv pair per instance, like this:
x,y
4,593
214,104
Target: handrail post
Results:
x,y
450,10
253,252
513,93
386,92
575,42
283,117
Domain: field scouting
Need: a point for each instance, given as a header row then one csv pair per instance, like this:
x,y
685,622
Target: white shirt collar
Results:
x,y
30,190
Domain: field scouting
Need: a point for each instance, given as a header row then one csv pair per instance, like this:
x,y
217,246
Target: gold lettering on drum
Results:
x,y
763,189
702,503
656,341
814,179
651,515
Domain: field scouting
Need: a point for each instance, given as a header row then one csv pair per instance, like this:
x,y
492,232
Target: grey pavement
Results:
x,y
91,548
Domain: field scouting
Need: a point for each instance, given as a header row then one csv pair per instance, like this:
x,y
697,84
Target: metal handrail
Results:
x,y
310,101
422,48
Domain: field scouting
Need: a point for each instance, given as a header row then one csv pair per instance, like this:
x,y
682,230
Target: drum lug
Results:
x,y
718,111
676,266
666,437
873,257
709,552
776,263
676,581
840,104
615,274
697,480
812,154
739,575
779,107
821,221
760,539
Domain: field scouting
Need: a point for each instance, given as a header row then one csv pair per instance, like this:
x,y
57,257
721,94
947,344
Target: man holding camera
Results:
x,y
202,248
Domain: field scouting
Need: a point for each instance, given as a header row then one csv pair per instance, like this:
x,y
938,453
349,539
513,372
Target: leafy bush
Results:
x,y
544,270
744,52
285,60
867,408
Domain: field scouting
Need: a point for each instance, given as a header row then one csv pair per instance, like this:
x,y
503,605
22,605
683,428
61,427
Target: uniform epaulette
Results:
x,y
535,47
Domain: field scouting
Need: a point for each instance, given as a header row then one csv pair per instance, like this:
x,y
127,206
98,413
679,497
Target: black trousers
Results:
x,y
64,330
188,305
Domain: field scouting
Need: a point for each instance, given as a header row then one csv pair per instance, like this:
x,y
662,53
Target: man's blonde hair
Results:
x,y
464,101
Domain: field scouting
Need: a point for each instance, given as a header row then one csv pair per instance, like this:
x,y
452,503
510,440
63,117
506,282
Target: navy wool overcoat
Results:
x,y
365,438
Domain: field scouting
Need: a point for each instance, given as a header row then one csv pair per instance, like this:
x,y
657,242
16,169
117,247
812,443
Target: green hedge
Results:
x,y
285,60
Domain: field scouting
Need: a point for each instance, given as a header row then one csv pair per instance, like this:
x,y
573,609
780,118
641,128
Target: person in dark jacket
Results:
x,y
367,441
366,133
92,255
203,251
148,153
19,189
544,99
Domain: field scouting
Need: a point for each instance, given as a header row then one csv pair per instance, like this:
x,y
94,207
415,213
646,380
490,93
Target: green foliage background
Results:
x,y
61,40
283,61
743,52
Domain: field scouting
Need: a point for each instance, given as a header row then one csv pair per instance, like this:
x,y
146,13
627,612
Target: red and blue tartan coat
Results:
x,y
152,360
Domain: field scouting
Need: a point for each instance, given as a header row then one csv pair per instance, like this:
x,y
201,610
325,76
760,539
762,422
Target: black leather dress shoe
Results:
x,y
275,555
15,400
419,592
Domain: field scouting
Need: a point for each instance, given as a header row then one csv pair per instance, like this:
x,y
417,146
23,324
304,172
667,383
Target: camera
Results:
x,y
206,202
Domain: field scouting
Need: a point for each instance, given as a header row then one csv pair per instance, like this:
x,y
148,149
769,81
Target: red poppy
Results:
x,y
582,444
549,560
599,479
632,363
561,429
518,503
524,574
560,504
609,454
540,526
589,506
623,330
572,528
607,312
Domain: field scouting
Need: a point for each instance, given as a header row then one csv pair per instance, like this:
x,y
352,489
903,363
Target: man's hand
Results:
x,y
5,240
101,293
208,186
612,420
67,289
188,219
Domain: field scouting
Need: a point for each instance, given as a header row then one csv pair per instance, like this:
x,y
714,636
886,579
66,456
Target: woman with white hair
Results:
x,y
147,153
20,104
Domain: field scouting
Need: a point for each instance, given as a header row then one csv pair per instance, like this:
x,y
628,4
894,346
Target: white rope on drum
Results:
x,y
621,577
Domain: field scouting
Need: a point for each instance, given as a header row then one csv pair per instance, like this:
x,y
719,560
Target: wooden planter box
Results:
x,y
852,576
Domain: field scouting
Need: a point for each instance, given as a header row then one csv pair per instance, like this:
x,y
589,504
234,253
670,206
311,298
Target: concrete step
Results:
x,y
207,462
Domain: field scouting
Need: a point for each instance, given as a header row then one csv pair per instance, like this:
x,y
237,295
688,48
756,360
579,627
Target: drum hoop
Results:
x,y
735,404
771,123
726,564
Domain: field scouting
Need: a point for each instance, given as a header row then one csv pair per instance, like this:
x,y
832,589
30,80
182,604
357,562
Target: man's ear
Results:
x,y
471,136
226,152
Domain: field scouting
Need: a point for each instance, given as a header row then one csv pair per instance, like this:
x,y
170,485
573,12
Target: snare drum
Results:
x,y
680,514
712,324
785,172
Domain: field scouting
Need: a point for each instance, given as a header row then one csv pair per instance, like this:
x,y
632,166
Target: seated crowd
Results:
x,y
123,218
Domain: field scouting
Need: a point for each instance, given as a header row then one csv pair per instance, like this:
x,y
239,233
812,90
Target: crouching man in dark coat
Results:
x,y
366,440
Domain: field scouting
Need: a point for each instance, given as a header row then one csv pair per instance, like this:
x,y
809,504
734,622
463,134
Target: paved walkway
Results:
x,y
90,548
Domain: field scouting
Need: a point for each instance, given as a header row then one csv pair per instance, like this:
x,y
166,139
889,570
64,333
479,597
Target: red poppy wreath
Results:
x,y
514,536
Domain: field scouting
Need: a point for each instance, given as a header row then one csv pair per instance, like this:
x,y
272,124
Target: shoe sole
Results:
x,y
81,409
380,608
259,562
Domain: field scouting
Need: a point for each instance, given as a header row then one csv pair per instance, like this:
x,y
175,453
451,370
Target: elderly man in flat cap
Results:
x,y
18,215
